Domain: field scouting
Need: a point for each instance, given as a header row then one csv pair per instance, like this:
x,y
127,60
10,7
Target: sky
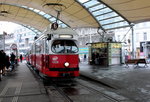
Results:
x,y
8,27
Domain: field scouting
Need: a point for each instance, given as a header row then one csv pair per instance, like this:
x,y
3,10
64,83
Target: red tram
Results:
x,y
55,53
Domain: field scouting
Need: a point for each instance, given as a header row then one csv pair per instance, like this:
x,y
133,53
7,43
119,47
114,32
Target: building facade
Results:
x,y
141,33
23,38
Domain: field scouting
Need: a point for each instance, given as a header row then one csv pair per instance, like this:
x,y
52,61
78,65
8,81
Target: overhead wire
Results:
x,y
126,34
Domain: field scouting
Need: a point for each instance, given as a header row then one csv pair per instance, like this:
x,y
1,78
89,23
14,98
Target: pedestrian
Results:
x,y
21,58
3,61
12,60
1,66
93,58
84,57
7,62
97,58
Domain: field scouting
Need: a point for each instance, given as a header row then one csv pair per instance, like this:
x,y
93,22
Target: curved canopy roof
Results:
x,y
104,14
134,11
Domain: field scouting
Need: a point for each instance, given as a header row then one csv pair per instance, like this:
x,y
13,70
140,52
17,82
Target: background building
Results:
x,y
141,35
23,38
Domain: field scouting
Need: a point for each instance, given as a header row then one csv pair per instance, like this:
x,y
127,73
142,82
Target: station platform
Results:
x,y
21,86
132,82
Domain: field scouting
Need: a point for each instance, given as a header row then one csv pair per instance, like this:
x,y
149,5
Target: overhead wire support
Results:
x,y
58,8
125,34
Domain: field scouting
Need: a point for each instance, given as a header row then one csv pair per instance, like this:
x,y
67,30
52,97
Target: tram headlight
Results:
x,y
66,64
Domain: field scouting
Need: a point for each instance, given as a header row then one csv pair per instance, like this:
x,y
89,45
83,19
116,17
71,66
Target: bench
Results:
x,y
136,62
142,61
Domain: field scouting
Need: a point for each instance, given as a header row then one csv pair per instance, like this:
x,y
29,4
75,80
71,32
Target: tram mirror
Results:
x,y
48,36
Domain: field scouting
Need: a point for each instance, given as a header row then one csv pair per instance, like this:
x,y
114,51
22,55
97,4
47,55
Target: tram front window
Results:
x,y
64,46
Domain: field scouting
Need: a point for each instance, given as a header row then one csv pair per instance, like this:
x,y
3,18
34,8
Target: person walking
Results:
x,y
84,57
12,60
7,62
21,58
1,65
3,61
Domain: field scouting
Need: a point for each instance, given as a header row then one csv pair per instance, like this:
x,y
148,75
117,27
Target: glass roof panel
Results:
x,y
52,19
42,13
32,29
28,8
116,25
106,17
116,19
24,6
99,12
83,1
35,10
45,15
36,30
63,25
90,3
97,7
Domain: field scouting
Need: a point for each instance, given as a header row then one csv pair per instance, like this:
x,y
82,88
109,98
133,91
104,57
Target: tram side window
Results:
x,y
37,48
42,46
46,47
33,49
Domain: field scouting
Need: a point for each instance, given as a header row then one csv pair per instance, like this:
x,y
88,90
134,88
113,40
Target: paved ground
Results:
x,y
131,82
22,86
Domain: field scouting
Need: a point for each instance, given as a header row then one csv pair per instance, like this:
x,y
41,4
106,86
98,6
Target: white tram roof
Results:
x,y
61,31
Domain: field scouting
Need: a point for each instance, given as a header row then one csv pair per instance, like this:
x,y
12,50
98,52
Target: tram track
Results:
x,y
102,82
84,90
52,90
100,93
63,94
82,93
57,95
103,89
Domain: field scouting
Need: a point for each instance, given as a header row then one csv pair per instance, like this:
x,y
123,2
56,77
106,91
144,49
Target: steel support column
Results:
x,y
133,49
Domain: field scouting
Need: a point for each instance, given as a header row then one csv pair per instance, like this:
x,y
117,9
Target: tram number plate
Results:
x,y
65,74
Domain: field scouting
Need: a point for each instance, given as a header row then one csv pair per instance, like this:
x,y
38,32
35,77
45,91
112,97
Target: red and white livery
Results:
x,y
55,53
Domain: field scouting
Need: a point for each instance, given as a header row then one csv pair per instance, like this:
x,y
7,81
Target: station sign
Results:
x,y
83,50
99,45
